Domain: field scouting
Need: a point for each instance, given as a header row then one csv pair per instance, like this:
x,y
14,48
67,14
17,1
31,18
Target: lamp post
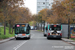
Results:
x,y
68,28
41,23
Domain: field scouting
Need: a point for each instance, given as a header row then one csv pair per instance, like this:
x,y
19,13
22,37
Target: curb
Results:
x,y
69,41
72,43
2,41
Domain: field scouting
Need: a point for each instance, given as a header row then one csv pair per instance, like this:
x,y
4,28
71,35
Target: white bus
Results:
x,y
54,31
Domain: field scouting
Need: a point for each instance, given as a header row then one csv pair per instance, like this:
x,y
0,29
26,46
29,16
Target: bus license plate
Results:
x,y
54,36
23,34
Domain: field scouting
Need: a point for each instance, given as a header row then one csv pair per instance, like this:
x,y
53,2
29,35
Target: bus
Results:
x,y
22,30
45,31
54,31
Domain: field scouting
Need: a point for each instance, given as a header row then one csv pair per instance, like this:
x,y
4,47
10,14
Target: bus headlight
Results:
x,y
16,35
27,35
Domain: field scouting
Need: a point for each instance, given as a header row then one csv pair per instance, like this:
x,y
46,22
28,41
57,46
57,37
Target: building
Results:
x,y
41,4
50,3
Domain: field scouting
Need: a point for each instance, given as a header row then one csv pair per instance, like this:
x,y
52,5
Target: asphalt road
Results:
x,y
37,42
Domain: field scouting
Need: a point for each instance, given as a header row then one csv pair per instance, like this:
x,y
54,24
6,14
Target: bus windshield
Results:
x,y
55,27
20,29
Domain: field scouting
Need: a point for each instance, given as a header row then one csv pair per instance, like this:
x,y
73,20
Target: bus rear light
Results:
x,y
55,25
60,34
48,34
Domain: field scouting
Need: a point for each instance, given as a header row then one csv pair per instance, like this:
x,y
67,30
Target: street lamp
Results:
x,y
68,28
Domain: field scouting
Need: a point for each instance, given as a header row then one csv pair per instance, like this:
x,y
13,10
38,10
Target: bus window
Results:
x,y
28,29
53,27
20,30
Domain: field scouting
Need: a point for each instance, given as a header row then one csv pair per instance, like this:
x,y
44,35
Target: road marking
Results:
x,y
18,46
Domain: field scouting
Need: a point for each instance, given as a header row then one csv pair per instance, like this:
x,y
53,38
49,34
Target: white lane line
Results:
x,y
18,46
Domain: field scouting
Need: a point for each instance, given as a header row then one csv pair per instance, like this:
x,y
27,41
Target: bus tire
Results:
x,y
16,38
44,35
28,37
59,38
47,38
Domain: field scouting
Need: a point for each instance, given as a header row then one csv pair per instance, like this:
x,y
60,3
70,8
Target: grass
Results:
x,y
2,36
72,39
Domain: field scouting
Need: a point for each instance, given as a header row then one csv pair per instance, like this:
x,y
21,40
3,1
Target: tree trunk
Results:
x,y
9,28
12,30
4,27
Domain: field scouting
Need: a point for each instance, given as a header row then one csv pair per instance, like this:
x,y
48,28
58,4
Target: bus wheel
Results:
x,y
60,39
47,38
16,38
44,35
28,37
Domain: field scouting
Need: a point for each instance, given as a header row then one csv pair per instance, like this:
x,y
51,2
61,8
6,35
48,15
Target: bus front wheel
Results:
x,y
28,37
16,38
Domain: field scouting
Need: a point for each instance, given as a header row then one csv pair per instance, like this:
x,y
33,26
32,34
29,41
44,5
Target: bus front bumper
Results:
x,y
27,36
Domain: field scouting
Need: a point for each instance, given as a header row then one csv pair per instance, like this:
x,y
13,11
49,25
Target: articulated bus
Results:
x,y
54,31
22,30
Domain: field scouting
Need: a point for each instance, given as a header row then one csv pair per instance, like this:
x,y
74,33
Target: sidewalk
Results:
x,y
1,41
69,41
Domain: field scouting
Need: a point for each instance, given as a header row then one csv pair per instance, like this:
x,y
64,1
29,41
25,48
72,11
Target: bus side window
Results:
x,y
28,29
17,30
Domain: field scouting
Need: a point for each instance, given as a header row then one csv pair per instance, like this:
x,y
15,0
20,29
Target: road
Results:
x,y
37,42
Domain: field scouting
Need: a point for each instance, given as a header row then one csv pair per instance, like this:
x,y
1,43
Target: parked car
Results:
x,y
32,27
35,27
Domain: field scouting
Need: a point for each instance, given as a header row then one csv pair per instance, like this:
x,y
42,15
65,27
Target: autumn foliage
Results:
x,y
12,12
60,12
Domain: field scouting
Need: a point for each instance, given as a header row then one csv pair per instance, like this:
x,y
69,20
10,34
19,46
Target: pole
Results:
x,y
41,23
4,27
68,28
0,31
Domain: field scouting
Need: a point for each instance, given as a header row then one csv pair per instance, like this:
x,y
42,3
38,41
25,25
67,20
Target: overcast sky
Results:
x,y
32,5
